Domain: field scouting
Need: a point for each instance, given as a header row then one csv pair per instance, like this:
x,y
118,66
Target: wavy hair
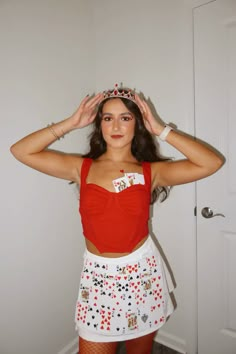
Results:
x,y
143,146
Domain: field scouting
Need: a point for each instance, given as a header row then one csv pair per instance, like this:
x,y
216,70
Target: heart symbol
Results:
x,y
144,318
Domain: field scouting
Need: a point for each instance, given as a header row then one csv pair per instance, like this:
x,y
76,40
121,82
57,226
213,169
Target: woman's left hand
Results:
x,y
152,125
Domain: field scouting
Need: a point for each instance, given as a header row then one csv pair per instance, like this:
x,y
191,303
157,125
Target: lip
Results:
x,y
116,136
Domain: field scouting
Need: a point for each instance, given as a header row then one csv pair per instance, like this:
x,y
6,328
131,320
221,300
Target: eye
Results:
x,y
126,118
107,119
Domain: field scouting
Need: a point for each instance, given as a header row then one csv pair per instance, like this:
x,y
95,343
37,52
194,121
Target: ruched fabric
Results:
x,y
115,222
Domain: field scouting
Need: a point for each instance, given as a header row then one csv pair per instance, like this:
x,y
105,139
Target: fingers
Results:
x,y
95,100
146,107
91,102
141,104
84,100
92,117
138,100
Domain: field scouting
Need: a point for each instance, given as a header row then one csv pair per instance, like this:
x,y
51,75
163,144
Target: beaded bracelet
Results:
x,y
54,133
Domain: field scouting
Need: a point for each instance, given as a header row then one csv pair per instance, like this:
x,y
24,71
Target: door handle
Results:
x,y
208,213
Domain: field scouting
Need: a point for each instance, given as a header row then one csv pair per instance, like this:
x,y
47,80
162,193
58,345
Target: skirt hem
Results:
x,y
95,337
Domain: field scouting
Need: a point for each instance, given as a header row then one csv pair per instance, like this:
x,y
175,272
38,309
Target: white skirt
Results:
x,y
122,298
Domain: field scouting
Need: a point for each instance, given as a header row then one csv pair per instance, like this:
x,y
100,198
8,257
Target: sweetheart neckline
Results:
x,y
143,186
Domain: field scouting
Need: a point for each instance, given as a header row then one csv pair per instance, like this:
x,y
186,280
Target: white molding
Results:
x,y
70,348
171,341
197,3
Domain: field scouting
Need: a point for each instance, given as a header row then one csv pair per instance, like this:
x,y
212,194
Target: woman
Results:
x,y
123,293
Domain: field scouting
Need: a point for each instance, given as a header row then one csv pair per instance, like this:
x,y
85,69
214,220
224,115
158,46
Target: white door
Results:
x,y
215,98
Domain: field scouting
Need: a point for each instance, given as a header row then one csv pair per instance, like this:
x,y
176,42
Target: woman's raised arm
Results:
x,y
32,149
200,162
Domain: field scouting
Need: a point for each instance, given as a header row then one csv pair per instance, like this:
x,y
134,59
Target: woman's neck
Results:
x,y
118,155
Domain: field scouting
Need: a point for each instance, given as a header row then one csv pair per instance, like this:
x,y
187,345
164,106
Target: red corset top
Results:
x,y
115,222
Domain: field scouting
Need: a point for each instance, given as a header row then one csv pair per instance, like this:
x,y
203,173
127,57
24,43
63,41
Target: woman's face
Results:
x,y
117,124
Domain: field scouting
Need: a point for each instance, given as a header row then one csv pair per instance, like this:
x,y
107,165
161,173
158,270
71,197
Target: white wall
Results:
x,y
53,53
47,66
148,45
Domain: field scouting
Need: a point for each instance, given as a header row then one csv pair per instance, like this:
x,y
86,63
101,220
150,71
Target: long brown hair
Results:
x,y
143,146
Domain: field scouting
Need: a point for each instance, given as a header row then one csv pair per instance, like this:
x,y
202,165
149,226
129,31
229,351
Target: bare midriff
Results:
x,y
93,249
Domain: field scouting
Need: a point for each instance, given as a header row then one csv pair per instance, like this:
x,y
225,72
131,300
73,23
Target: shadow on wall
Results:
x,y
156,349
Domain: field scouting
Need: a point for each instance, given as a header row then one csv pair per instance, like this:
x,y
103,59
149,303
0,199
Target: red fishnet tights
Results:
x,y
141,345
86,347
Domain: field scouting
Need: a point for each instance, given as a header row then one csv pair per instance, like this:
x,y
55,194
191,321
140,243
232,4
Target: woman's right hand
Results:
x,y
86,112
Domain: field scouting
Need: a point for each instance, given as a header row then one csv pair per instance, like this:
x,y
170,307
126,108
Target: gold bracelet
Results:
x,y
54,133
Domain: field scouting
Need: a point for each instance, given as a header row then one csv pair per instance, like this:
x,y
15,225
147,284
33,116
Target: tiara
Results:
x,y
119,92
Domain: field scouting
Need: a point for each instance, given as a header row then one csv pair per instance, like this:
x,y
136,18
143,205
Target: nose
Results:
x,y
116,124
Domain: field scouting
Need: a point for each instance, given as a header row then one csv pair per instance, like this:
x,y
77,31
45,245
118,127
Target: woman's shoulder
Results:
x,y
79,163
82,161
156,168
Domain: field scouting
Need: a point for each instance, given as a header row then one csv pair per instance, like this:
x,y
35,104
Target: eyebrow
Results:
x,y
122,114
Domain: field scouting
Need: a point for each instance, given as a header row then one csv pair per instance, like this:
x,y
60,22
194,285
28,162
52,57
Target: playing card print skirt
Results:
x,y
122,298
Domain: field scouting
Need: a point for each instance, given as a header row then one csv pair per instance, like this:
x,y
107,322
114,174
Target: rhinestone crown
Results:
x,y
120,93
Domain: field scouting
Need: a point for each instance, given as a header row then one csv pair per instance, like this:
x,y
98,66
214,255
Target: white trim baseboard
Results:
x,y
171,341
70,348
